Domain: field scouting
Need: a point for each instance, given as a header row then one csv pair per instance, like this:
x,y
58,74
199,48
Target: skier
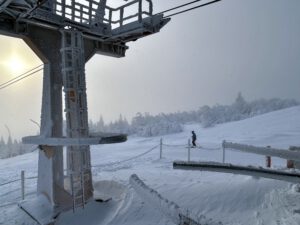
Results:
x,y
194,138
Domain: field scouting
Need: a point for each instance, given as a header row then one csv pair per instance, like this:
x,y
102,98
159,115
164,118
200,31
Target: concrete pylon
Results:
x,y
50,185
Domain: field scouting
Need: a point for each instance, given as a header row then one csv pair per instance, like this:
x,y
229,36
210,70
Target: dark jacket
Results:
x,y
194,137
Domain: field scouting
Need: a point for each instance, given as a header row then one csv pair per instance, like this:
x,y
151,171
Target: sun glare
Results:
x,y
15,65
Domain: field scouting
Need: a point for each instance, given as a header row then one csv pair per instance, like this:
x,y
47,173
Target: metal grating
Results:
x,y
97,12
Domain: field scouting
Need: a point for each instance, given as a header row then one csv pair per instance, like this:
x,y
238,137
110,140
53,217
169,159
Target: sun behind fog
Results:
x,y
15,65
15,58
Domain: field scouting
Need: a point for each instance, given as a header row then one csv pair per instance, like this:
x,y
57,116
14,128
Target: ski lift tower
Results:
x,y
65,34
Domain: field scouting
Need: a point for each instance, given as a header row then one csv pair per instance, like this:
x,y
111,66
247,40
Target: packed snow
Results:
x,y
225,198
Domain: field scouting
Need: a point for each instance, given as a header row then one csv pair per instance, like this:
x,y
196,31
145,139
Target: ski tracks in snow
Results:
x,y
280,207
123,208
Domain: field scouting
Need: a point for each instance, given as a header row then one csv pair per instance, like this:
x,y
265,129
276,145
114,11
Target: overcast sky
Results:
x,y
202,57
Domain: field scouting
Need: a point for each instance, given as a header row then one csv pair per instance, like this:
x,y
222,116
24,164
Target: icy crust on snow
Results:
x,y
281,206
169,208
281,153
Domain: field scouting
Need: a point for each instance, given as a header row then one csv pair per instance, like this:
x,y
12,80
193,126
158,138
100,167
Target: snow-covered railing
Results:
x,y
266,151
21,188
126,160
169,208
187,147
236,169
89,11
121,18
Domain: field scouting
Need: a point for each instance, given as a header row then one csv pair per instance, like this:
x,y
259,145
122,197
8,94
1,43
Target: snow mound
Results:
x,y
105,190
116,198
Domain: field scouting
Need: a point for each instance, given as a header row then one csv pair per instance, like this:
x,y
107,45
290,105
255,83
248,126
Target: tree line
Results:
x,y
12,148
147,125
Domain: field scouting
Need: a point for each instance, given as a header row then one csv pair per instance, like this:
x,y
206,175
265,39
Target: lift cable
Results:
x,y
21,77
23,74
177,7
186,10
30,74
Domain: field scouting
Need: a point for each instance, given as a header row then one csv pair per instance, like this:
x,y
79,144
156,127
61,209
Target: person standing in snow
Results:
x,y
194,138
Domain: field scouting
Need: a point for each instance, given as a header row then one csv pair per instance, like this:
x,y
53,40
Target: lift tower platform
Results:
x,y
65,34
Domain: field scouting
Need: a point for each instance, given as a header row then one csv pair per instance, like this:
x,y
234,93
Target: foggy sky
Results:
x,y
202,57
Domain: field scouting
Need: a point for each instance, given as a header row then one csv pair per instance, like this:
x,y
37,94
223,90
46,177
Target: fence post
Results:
x,y
223,147
289,162
296,164
268,159
189,150
23,184
160,148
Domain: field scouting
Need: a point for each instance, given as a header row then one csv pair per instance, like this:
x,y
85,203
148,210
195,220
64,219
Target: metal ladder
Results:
x,y
73,62
77,189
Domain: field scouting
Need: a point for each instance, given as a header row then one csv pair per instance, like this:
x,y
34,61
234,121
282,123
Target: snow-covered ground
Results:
x,y
227,198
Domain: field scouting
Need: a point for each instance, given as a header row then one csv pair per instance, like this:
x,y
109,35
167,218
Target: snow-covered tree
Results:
x,y
2,148
241,107
9,146
2,143
100,124
145,124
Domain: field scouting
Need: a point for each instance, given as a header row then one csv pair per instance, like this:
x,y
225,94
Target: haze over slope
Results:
x,y
231,199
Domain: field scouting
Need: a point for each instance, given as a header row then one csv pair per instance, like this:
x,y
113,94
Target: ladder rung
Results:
x,y
78,197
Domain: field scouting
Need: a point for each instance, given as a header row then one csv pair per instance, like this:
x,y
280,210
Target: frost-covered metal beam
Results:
x,y
65,141
240,170
14,8
281,153
135,30
169,208
93,18
4,4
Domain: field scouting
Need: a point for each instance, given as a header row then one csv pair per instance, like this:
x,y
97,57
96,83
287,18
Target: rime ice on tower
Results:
x,y
65,34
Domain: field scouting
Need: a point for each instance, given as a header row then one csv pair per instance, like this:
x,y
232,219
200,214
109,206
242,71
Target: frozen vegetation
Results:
x,y
13,148
146,125
227,198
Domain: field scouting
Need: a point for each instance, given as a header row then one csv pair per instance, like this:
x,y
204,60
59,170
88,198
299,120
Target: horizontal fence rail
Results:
x,y
266,151
13,187
126,160
240,170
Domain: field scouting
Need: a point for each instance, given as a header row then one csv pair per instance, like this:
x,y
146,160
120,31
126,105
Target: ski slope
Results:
x,y
220,197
